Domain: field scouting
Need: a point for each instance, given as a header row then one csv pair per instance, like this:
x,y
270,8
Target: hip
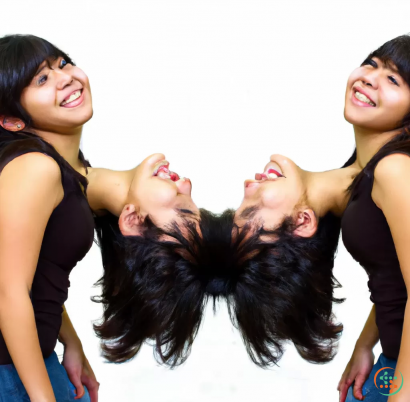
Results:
x,y
12,389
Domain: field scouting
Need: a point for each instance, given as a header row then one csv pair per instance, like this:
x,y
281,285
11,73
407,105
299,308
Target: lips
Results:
x,y
362,95
163,172
73,99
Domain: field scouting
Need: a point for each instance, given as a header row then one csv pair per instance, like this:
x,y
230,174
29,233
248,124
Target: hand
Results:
x,y
80,372
357,370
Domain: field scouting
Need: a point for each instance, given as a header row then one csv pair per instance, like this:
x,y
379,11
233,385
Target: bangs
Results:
x,y
395,54
20,58
26,53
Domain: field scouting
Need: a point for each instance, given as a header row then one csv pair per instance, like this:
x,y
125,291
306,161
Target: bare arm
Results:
x,y
30,188
75,362
391,193
370,333
361,363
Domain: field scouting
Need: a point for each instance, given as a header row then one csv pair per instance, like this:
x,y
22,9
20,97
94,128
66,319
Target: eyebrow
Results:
x,y
249,212
387,64
183,211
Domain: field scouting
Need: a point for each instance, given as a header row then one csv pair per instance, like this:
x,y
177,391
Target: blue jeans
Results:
x,y
12,389
369,390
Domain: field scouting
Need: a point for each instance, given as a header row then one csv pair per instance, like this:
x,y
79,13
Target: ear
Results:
x,y
306,223
11,123
130,221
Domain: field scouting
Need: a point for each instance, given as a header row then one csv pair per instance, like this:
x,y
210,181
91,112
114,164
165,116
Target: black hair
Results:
x,y
156,290
20,57
395,52
284,291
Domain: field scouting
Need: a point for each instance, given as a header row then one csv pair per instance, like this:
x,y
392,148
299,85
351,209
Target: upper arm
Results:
x,y
108,189
30,188
391,193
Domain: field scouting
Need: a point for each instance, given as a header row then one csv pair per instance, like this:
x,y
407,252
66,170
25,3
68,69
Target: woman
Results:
x,y
46,223
375,223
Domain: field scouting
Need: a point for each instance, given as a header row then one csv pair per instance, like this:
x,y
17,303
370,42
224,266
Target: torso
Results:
x,y
367,237
68,237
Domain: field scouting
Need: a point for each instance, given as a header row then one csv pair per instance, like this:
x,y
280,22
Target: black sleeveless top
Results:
x,y
367,237
67,238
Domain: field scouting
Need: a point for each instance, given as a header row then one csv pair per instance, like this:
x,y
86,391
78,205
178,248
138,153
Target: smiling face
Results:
x,y
377,97
58,98
158,193
280,191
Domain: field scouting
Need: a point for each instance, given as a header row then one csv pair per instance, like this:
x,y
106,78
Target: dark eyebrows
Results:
x,y
249,212
46,63
182,211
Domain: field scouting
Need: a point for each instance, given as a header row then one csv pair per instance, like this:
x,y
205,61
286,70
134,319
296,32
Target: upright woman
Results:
x,y
46,220
376,222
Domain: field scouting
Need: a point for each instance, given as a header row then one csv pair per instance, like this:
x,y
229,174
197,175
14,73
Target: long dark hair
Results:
x,y
20,57
156,290
396,52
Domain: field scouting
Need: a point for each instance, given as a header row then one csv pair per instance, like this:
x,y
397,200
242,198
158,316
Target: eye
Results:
x,y
42,79
63,63
370,62
393,80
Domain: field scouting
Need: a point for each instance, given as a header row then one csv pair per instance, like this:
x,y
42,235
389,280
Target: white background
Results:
x,y
217,86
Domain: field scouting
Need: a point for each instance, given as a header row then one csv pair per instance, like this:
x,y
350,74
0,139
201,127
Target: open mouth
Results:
x,y
162,171
74,99
359,95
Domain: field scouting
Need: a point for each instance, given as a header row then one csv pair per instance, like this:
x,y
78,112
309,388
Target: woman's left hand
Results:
x,y
80,372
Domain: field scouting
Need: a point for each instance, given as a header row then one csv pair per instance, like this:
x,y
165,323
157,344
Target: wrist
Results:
x,y
364,344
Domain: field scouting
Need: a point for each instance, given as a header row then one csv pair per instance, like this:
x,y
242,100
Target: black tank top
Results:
x,y
67,238
367,237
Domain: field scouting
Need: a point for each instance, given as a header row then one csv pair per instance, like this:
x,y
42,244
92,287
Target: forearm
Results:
x,y
370,333
19,331
67,334
403,363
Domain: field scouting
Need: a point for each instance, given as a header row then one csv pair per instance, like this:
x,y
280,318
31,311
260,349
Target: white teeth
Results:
x,y
75,95
162,163
363,98
272,176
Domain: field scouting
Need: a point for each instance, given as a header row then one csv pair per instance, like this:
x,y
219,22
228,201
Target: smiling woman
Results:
x,y
46,225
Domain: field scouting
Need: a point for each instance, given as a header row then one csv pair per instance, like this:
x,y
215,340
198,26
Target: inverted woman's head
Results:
x,y
40,87
159,197
378,91
280,192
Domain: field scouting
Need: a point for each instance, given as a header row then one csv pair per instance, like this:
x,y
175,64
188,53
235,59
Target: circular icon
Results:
x,y
386,382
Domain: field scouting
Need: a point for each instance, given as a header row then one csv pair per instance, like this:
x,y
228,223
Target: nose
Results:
x,y
64,79
370,79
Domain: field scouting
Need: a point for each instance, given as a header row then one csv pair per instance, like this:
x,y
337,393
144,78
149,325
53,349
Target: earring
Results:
x,y
11,123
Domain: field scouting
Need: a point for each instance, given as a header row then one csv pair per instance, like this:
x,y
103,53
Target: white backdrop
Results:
x,y
217,86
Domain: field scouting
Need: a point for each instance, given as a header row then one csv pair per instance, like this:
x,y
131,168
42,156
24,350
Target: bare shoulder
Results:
x,y
32,176
33,164
391,180
392,167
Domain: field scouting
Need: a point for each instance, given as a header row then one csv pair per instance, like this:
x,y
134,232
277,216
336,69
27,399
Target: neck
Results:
x,y
368,142
326,191
67,145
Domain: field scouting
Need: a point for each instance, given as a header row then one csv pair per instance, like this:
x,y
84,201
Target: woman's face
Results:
x,y
58,98
158,192
377,97
273,195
